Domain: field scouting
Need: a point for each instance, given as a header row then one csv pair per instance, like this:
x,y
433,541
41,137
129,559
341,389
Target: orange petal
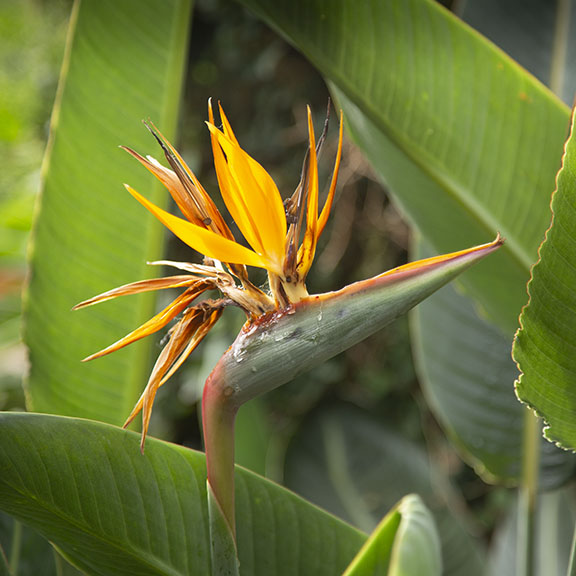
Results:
x,y
421,265
234,201
156,322
226,125
195,198
330,198
308,248
251,196
201,331
185,337
138,287
204,241
183,199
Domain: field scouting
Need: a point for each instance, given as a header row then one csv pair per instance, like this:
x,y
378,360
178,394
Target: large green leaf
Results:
x,y
466,372
467,140
351,465
545,344
124,63
114,511
405,543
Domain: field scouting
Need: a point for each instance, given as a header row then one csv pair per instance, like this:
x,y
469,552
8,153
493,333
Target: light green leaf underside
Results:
x,y
467,140
405,543
119,512
545,345
417,547
124,63
351,465
467,374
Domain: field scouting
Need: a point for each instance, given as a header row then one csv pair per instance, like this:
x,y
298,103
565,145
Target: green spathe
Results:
x,y
279,346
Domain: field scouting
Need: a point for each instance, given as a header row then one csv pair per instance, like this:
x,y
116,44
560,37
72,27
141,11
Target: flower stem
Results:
x,y
16,548
528,495
218,417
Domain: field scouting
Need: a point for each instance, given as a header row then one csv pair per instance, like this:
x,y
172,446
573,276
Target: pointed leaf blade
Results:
x,y
405,543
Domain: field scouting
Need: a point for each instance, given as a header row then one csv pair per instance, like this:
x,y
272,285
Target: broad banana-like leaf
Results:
x,y
544,346
536,34
464,361
124,63
405,543
115,512
468,141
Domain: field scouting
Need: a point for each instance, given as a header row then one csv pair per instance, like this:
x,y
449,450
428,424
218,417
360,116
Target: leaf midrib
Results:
x,y
131,552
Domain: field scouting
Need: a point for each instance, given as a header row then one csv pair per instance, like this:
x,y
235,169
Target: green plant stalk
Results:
x,y
548,532
223,551
560,48
218,418
15,548
572,563
528,496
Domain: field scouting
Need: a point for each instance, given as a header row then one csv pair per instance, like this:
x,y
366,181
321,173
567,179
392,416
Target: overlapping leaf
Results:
x,y
113,511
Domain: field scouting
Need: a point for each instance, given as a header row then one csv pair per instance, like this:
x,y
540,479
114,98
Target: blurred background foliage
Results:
x,y
32,36
264,86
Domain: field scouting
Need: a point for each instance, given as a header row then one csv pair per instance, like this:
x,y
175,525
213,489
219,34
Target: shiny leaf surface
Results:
x,y
118,512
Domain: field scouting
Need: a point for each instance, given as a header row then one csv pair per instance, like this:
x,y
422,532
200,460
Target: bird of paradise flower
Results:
x,y
306,330
282,236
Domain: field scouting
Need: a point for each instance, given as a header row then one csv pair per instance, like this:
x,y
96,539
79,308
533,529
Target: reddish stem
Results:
x,y
218,417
